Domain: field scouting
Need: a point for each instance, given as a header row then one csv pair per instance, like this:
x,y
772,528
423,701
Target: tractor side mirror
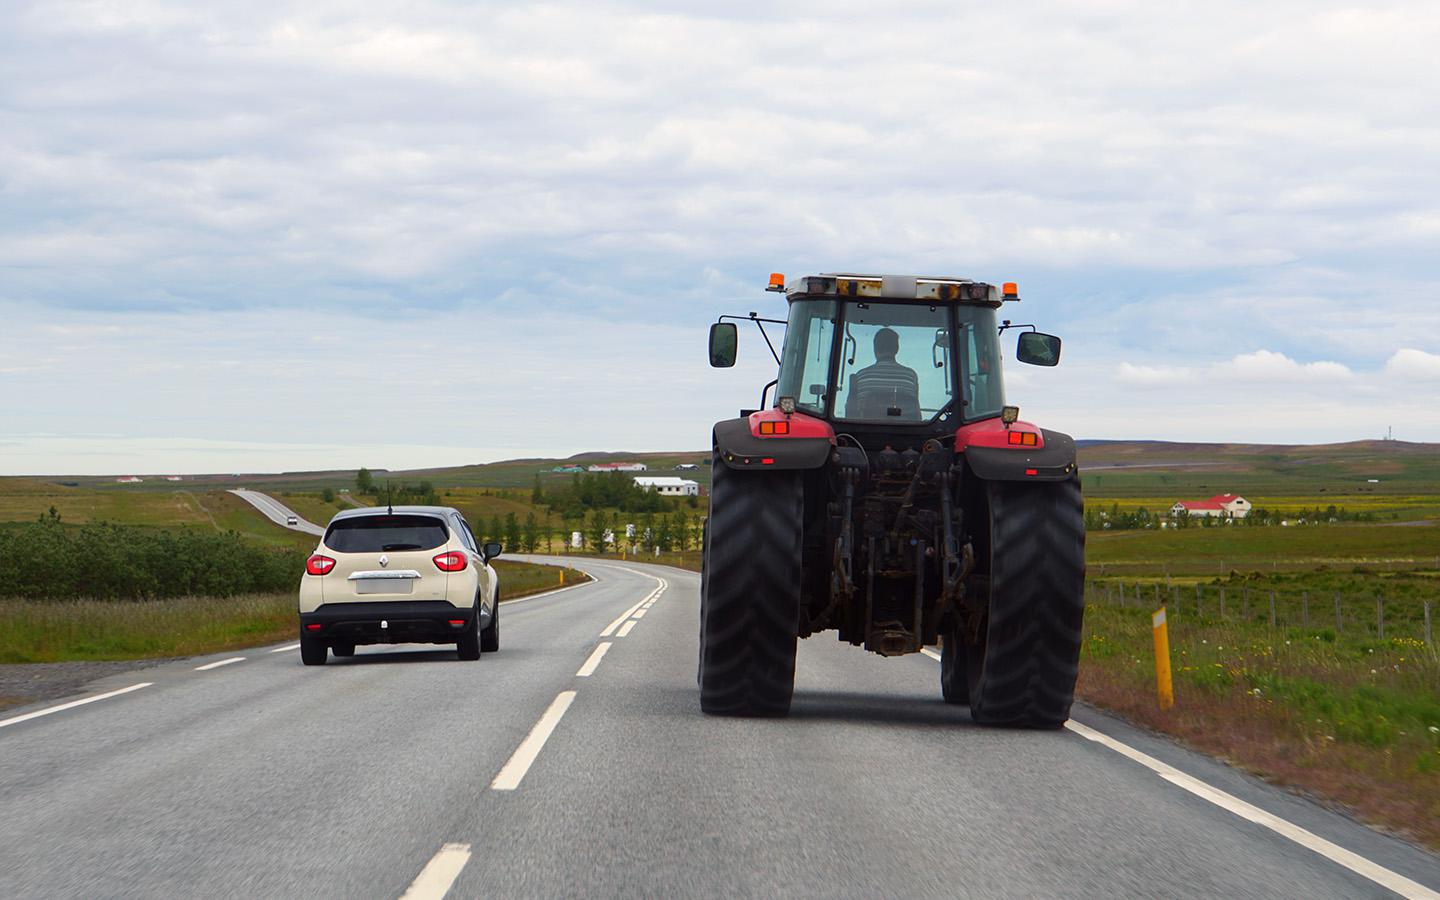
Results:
x,y
1038,349
724,342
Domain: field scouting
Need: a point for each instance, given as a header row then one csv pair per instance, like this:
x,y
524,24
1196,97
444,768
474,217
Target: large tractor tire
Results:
x,y
750,592
1022,670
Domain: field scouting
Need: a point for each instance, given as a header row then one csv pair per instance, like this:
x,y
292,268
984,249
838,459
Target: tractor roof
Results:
x,y
899,287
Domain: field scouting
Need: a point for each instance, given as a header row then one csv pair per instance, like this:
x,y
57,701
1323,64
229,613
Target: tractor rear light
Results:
x,y
1023,438
768,461
454,561
319,565
774,427
313,627
1032,471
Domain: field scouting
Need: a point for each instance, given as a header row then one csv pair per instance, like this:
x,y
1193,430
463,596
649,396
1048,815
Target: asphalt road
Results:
x,y
405,769
276,511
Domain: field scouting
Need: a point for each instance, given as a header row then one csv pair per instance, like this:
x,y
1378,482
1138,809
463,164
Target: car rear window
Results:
x,y
374,534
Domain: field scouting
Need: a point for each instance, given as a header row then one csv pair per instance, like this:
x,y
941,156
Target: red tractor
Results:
x,y
890,494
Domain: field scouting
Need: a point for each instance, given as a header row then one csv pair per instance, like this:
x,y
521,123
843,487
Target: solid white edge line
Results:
x,y
439,874
593,662
72,704
1309,840
286,647
1283,827
930,653
513,772
215,665
626,628
559,590
610,629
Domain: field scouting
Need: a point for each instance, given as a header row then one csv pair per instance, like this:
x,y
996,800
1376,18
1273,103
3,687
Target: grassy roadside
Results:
x,y
1348,717
87,630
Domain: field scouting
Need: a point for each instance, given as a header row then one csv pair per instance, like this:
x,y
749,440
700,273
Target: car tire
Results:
x,y
342,649
490,636
468,647
312,650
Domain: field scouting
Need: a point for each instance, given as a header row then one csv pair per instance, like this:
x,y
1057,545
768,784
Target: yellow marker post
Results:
x,y
1162,660
562,576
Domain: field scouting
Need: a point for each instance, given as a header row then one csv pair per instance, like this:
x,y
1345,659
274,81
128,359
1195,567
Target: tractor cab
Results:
x,y
881,355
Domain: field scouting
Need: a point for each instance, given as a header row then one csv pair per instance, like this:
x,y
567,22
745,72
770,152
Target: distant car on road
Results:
x,y
292,520
399,575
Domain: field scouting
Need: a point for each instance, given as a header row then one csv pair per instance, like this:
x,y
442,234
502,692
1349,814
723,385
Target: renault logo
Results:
x,y
384,561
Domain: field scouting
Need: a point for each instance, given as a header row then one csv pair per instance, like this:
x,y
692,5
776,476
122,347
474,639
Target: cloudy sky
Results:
x,y
260,236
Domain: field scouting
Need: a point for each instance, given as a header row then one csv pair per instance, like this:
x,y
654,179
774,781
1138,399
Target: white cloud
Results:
x,y
1414,365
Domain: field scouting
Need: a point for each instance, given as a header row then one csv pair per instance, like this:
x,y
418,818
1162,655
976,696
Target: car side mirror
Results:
x,y
1038,349
724,343
491,550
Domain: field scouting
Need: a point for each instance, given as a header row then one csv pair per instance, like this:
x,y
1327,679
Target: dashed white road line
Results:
x,y
215,665
610,629
286,647
626,628
1334,852
593,662
524,756
16,720
640,613
439,874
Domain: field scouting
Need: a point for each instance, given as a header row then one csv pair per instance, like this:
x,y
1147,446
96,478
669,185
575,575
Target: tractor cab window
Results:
x,y
896,363
805,360
984,389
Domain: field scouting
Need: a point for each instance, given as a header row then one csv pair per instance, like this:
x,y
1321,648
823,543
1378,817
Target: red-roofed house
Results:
x,y
1220,506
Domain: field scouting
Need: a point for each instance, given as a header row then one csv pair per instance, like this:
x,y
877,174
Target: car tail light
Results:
x,y
313,627
319,565
457,622
453,561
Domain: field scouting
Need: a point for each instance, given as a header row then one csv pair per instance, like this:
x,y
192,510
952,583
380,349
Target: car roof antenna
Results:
x,y
389,499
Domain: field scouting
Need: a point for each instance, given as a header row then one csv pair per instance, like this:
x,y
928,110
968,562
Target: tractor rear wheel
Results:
x,y
1022,671
750,592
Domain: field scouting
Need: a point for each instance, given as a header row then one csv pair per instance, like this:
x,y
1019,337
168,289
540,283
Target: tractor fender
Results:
x,y
1053,462
740,449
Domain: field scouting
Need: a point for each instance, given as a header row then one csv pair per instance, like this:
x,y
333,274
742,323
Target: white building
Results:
x,y
1220,506
129,479
670,486
619,467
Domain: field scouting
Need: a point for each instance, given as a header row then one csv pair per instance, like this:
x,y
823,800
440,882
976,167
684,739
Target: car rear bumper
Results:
x,y
413,622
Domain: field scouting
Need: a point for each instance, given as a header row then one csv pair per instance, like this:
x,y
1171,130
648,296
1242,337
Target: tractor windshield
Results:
x,y
898,362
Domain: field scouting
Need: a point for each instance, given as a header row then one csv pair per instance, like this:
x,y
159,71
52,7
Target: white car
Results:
x,y
399,575
292,520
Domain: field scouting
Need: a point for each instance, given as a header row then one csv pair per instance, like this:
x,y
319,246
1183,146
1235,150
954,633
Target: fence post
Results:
x,y
1175,597
1245,606
1339,625
1380,615
1222,604
1272,609
1157,593
1197,600
1305,608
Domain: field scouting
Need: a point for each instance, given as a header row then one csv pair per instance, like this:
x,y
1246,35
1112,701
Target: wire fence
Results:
x,y
1373,615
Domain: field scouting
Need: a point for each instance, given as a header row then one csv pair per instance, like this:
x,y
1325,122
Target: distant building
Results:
x,y
670,486
568,469
173,478
687,467
1220,506
619,467
129,479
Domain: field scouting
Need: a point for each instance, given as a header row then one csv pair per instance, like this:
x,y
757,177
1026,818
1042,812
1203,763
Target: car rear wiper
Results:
x,y
389,547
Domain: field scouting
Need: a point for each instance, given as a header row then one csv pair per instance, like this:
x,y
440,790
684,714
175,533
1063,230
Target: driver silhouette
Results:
x,y
885,390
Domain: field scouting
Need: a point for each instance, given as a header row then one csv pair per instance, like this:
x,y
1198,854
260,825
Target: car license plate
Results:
x,y
384,585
